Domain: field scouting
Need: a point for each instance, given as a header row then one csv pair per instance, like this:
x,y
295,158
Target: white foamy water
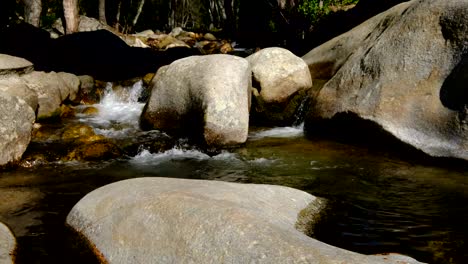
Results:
x,y
118,112
262,161
146,157
279,132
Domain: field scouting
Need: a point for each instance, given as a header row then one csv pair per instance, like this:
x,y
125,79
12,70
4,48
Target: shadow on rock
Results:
x,y
100,53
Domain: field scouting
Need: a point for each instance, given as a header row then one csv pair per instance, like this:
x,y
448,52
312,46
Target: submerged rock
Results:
x,y
91,110
77,131
7,245
405,70
94,150
196,221
16,121
280,82
204,97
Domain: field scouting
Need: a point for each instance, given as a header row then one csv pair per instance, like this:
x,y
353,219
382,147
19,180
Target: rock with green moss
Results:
x,y
94,150
76,131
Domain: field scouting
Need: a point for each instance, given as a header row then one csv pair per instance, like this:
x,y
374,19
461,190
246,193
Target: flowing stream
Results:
x,y
379,202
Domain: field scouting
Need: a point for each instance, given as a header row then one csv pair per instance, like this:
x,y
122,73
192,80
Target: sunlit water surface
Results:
x,y
378,202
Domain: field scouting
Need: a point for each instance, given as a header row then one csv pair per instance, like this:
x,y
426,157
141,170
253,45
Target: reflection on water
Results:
x,y
379,203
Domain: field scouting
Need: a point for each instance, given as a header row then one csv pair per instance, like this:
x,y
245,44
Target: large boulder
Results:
x,y
26,41
16,120
7,245
98,53
14,65
404,70
51,91
105,56
16,86
280,83
205,97
72,84
163,220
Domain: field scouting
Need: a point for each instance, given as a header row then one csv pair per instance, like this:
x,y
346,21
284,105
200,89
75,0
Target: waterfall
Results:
x,y
118,112
296,130
300,112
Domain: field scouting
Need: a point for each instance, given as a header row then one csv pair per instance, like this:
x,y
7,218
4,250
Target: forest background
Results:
x,y
298,25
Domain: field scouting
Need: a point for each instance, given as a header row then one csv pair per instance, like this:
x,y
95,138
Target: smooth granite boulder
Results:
x,y
14,65
203,97
404,70
280,83
162,220
16,120
7,245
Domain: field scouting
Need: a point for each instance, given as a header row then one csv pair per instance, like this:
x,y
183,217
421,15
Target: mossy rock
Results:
x,y
77,131
309,216
148,78
91,110
93,151
67,111
46,132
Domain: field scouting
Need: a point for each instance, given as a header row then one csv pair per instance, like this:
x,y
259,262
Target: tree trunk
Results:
x,y
117,16
72,19
230,21
32,12
102,11
138,13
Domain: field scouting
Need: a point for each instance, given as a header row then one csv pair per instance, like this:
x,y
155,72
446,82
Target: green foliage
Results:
x,y
51,11
312,10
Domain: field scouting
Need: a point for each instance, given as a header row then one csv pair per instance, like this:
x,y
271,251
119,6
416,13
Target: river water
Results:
x,y
378,201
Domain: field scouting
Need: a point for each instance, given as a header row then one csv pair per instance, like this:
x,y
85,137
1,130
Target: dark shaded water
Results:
x,y
379,203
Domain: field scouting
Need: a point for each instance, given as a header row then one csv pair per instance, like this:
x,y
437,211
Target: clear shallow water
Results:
x,y
378,201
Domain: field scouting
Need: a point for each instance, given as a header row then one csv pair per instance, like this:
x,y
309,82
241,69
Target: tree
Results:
x,y
72,19
102,11
32,12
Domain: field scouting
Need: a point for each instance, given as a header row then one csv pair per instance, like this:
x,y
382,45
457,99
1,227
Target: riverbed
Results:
x,y
379,202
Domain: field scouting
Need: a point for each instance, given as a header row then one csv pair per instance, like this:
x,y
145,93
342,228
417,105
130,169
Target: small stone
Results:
x,y
210,37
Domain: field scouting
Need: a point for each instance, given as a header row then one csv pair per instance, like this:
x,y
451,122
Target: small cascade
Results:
x,y
118,112
279,132
300,112
296,130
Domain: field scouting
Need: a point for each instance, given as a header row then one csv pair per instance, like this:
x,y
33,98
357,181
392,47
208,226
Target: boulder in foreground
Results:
x,y
162,220
7,245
